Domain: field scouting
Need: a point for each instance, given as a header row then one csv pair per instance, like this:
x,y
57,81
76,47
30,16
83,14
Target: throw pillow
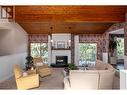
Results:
x,y
39,64
25,74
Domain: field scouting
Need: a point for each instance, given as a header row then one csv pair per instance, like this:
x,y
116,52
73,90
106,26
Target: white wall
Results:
x,y
61,37
13,48
105,57
125,62
13,39
76,39
61,53
7,63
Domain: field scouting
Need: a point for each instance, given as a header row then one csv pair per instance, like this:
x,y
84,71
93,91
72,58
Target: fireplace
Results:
x,y
61,61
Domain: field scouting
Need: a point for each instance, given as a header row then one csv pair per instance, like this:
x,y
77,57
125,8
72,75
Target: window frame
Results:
x,y
90,43
39,45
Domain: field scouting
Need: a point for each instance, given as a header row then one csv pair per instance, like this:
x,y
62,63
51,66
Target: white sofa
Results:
x,y
101,78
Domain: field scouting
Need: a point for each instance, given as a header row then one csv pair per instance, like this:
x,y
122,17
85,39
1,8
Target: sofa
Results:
x,y
100,78
25,82
100,65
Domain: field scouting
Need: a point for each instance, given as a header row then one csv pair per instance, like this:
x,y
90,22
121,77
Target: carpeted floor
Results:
x,y
55,81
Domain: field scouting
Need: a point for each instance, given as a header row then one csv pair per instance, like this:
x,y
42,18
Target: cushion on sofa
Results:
x,y
106,79
100,65
110,67
84,80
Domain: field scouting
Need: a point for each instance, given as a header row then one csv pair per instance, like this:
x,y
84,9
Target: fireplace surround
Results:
x,y
61,61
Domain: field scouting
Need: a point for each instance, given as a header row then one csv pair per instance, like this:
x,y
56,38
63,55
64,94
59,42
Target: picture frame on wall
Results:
x,y
60,44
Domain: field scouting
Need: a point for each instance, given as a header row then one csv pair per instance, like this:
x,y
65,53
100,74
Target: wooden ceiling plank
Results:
x,y
81,19
70,13
43,28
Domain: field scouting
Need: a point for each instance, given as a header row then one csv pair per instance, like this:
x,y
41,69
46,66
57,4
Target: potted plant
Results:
x,y
71,66
29,63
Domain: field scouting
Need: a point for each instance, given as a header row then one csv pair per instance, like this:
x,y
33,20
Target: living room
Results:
x,y
60,36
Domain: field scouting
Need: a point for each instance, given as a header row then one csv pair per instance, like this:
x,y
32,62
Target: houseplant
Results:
x,y
71,66
29,63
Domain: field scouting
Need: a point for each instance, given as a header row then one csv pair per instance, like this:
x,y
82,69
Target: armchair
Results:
x,y
42,69
25,82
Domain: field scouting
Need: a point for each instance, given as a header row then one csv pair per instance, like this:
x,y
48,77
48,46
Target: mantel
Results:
x,y
61,48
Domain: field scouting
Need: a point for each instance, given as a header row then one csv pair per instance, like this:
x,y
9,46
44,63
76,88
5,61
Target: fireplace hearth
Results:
x,y
61,61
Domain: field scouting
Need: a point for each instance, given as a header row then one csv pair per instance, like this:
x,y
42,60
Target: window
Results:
x,y
7,12
120,48
87,53
39,49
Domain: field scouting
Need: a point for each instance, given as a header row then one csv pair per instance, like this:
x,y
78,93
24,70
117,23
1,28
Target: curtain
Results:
x,y
38,38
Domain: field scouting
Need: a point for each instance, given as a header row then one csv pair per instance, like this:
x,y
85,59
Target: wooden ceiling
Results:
x,y
69,19
62,27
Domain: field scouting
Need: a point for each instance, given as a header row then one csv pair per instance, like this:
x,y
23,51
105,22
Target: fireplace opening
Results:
x,y
61,60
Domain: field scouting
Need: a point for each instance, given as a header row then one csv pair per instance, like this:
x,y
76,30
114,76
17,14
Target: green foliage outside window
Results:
x,y
39,49
87,52
120,48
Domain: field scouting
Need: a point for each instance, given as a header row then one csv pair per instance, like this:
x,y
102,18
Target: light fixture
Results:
x,y
69,43
51,41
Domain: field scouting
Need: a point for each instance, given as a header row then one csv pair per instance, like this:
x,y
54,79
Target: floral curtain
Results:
x,y
38,38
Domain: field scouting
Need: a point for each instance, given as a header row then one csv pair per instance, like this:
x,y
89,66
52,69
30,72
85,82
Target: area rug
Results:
x,y
54,81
